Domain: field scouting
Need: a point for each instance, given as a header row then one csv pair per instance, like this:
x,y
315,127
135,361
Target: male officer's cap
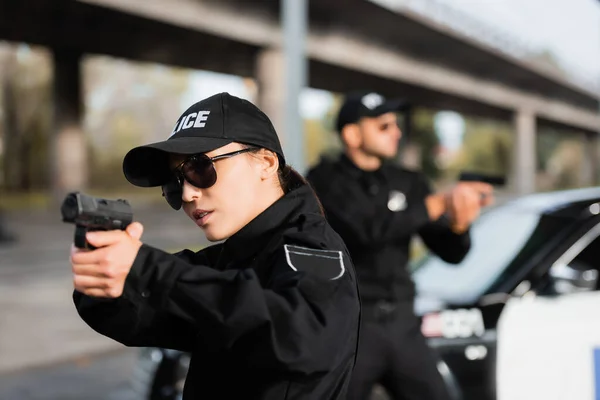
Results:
x,y
207,125
362,104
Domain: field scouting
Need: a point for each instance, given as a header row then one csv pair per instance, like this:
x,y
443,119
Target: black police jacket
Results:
x,y
271,313
377,213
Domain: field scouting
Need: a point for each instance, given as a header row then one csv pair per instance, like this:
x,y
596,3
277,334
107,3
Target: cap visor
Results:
x,y
148,166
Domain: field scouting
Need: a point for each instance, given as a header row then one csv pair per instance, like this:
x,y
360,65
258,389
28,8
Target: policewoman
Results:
x,y
272,311
378,208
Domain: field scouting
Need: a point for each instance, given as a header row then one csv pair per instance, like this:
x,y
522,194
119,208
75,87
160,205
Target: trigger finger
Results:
x,y
77,250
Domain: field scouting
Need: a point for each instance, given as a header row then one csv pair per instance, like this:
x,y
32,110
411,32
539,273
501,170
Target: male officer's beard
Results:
x,y
375,153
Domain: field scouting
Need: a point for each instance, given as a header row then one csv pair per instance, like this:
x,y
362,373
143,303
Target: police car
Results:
x,y
518,317
498,319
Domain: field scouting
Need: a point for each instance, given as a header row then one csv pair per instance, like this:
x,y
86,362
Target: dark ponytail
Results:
x,y
290,179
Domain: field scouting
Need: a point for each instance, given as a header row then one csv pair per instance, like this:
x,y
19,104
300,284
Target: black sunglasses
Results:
x,y
199,171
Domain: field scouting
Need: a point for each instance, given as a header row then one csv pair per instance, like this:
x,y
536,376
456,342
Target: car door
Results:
x,y
465,335
549,339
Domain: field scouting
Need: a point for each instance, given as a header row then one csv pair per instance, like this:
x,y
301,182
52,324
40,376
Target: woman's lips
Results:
x,y
201,216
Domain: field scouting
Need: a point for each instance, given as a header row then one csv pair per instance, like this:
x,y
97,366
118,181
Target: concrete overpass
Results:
x,y
351,44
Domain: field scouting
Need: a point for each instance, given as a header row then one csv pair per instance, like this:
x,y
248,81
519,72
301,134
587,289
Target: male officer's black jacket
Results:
x,y
272,313
358,205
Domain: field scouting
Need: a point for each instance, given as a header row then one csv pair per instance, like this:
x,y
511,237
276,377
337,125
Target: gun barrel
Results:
x,y
90,213
477,177
70,208
96,213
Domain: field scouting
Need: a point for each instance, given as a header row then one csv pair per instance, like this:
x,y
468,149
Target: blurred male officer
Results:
x,y
377,208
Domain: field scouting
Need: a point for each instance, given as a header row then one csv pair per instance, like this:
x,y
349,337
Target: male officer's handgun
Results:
x,y
494,180
94,214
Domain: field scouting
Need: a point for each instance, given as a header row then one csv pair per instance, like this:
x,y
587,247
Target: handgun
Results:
x,y
494,180
90,213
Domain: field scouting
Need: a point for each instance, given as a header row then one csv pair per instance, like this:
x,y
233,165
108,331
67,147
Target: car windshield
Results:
x,y
496,238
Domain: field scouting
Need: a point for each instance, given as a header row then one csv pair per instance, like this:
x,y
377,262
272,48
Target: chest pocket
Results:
x,y
322,272
321,264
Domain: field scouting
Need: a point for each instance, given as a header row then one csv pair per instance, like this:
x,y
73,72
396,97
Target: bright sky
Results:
x,y
569,28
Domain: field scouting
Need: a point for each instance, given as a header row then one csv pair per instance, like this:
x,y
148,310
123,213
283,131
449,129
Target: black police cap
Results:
x,y
366,104
207,125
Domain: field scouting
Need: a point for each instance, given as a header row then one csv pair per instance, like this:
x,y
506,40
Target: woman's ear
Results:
x,y
269,163
351,136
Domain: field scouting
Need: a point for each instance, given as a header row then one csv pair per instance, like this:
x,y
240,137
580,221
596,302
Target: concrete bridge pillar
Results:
x,y
524,156
68,157
590,165
411,155
270,77
272,98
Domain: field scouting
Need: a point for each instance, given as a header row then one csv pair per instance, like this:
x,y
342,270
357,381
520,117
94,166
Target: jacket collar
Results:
x,y
365,178
356,171
286,211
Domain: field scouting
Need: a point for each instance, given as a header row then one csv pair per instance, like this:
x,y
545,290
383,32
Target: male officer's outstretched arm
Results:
x,y
296,323
441,219
450,246
450,243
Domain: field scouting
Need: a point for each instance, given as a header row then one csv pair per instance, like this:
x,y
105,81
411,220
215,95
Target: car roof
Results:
x,y
547,201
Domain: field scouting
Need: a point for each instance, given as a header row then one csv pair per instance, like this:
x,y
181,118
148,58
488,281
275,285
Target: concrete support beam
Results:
x,y
594,148
271,98
524,157
271,89
591,160
69,169
410,152
356,53
294,18
347,50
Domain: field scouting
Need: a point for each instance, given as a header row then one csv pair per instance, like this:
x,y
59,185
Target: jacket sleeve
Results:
x,y
439,237
130,321
296,323
441,240
307,320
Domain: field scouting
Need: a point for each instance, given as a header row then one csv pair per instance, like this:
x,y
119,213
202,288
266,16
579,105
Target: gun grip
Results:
x,y
80,240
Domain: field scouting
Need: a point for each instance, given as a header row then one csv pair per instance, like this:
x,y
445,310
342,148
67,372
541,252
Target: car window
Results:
x,y
496,237
578,268
585,253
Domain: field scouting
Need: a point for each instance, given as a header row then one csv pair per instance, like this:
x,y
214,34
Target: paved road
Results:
x,y
38,323
105,377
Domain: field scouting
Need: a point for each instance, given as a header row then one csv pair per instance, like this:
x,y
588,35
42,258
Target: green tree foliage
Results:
x,y
487,148
25,84
560,158
320,136
128,104
422,134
